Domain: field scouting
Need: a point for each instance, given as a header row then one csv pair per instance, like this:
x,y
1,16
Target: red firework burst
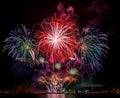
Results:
x,y
56,39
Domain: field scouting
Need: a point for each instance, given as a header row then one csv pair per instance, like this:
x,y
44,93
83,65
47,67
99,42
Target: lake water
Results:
x,y
59,96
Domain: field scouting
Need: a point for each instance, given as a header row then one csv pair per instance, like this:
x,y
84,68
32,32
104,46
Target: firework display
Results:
x,y
20,45
57,39
92,48
59,49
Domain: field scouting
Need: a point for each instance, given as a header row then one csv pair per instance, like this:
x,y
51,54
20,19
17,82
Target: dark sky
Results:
x,y
104,14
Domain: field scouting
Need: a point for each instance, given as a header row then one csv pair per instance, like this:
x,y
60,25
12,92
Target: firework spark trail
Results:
x,y
59,38
92,47
56,82
20,44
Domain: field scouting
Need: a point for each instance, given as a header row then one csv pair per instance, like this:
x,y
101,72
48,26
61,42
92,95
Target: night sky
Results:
x,y
104,14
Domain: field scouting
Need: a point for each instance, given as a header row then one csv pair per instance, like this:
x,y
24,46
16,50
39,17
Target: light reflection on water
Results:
x,y
56,96
62,96
59,95
77,96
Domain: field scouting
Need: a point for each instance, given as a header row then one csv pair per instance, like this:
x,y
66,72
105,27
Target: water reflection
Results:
x,y
60,96
55,96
